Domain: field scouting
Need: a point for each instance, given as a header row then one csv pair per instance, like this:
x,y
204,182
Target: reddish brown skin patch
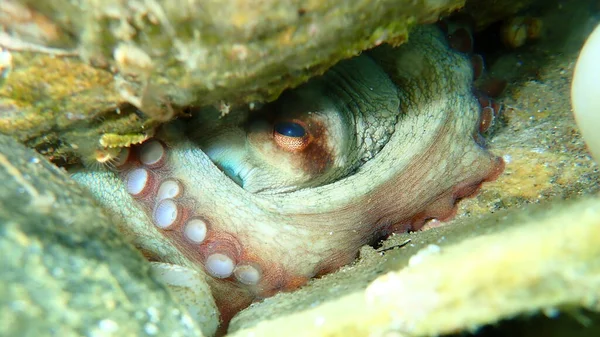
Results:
x,y
445,207
487,116
461,40
316,157
493,87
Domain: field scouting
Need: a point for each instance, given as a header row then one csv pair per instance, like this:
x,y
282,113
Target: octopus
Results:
x,y
259,202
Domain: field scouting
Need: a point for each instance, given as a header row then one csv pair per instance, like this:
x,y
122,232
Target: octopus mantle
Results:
x,y
393,141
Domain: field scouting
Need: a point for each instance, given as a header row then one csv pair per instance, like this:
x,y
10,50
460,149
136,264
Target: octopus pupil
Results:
x,y
290,129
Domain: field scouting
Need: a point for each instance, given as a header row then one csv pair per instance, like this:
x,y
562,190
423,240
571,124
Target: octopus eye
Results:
x,y
290,136
290,129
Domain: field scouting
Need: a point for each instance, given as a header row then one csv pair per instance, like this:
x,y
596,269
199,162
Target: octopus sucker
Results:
x,y
260,202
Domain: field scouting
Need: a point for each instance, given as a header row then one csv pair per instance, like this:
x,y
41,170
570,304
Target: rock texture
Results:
x,y
150,58
65,269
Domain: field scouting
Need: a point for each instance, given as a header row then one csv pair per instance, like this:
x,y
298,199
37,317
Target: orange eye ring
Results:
x,y
291,143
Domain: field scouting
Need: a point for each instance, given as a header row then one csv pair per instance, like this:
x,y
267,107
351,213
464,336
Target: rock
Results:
x,y
65,268
153,58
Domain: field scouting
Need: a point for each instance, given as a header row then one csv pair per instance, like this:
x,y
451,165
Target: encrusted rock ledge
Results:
x,y
134,64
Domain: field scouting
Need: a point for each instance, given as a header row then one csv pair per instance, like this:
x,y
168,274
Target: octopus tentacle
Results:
x,y
180,207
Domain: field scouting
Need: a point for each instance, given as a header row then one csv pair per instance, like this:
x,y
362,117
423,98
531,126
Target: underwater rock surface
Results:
x,y
65,268
131,65
546,159
240,51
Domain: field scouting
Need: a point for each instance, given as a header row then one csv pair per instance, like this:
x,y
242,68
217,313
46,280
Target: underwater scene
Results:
x,y
299,168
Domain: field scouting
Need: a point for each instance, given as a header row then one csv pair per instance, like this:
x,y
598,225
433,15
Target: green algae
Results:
x,y
201,53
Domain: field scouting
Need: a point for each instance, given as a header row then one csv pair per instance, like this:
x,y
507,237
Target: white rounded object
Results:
x,y
219,265
195,230
137,180
585,93
165,213
151,152
247,274
168,189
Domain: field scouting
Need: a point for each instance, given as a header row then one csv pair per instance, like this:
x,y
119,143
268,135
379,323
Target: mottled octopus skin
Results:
x,y
431,160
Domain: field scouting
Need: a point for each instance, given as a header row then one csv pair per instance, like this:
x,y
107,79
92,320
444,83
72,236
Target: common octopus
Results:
x,y
261,202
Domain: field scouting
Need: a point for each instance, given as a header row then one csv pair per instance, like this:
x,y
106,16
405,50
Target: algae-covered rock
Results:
x,y
243,51
61,107
135,64
65,269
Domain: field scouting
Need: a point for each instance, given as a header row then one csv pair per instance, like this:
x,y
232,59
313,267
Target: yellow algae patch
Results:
x,y
111,140
46,93
39,76
527,173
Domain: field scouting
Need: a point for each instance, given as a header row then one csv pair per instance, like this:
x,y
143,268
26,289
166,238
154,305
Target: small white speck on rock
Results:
x,y
186,321
423,254
57,272
108,325
153,314
150,329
